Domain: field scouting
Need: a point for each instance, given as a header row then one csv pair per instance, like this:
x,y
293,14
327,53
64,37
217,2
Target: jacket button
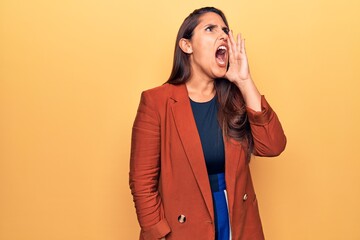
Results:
x,y
245,197
182,219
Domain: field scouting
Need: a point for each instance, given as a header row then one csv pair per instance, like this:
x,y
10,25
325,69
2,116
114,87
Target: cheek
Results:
x,y
204,51
203,45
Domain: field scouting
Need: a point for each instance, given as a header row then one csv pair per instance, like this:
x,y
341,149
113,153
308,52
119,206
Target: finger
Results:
x,y
230,49
243,46
239,41
232,46
234,42
230,38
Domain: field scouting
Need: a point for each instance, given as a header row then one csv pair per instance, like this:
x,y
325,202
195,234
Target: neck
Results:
x,y
201,90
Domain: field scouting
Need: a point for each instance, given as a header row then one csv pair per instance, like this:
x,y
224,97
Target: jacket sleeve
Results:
x,y
267,132
145,170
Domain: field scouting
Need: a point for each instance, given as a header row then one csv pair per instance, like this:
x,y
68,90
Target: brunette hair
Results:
x,y
232,112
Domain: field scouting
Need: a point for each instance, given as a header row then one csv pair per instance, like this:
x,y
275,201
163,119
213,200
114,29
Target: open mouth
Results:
x,y
221,54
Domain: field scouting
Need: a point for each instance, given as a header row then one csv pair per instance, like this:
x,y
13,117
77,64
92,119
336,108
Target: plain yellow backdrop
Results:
x,y
71,74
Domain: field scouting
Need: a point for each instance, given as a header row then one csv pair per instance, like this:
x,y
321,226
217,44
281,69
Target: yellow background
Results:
x,y
71,74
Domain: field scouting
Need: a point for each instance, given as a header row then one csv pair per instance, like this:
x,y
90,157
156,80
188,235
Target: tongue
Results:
x,y
220,56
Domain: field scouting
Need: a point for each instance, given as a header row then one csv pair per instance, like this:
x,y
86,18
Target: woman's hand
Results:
x,y
238,64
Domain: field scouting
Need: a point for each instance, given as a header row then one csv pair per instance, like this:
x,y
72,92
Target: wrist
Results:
x,y
244,83
250,94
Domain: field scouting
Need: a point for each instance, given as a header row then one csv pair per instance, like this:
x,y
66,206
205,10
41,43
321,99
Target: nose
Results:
x,y
223,36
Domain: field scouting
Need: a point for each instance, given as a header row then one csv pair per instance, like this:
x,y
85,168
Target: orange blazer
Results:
x,y
168,176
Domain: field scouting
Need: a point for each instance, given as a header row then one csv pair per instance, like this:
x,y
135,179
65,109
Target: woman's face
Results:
x,y
209,43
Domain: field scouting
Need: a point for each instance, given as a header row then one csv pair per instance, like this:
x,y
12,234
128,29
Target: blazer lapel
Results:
x,y
186,126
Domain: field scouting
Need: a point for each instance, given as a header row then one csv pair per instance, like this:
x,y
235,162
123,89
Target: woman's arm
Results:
x,y
145,169
268,135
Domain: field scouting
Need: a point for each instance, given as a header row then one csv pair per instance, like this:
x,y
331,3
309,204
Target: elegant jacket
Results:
x,y
168,176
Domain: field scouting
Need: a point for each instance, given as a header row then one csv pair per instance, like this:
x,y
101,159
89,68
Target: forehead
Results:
x,y
211,18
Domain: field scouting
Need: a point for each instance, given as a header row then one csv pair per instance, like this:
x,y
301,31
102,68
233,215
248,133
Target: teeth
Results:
x,y
222,47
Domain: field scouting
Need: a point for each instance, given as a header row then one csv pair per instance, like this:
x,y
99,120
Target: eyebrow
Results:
x,y
225,29
215,26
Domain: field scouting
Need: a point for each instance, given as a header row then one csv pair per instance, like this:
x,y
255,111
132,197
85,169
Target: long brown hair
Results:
x,y
232,112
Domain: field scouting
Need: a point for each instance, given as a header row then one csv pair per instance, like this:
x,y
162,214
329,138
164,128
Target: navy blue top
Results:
x,y
212,142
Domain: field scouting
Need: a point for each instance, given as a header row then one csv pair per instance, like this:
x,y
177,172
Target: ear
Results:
x,y
185,45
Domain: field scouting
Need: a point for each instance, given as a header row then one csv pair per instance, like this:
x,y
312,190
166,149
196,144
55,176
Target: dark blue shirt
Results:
x,y
212,142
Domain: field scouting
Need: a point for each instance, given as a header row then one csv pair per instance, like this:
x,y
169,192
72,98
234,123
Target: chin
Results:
x,y
220,73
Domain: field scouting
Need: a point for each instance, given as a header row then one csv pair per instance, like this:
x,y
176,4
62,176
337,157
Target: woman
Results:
x,y
193,138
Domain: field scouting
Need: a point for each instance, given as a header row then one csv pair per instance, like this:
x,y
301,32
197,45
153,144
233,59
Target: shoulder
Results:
x,y
155,100
162,93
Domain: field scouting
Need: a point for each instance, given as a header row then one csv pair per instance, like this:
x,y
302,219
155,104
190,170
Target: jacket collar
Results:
x,y
179,93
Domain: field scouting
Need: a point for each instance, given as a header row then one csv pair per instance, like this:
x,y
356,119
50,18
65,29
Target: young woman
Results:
x,y
193,138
